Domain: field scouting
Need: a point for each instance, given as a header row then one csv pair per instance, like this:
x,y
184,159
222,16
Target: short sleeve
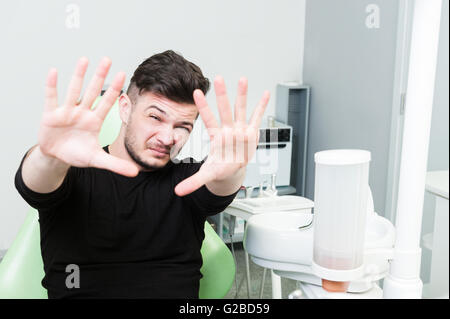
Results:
x,y
202,200
43,201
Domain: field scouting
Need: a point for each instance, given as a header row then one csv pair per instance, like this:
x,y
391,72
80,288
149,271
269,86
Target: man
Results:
x,y
129,217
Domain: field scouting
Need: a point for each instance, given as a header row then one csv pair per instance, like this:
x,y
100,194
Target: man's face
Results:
x,y
157,129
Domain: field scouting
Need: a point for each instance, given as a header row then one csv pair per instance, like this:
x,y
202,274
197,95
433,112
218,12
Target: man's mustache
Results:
x,y
161,148
171,150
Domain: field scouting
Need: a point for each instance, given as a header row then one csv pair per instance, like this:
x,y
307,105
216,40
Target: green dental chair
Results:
x,y
22,270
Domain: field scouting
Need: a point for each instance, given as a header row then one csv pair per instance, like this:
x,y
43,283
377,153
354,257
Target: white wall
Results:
x,y
261,40
350,67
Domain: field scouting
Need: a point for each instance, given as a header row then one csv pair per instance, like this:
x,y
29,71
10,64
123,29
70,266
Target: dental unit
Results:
x,y
337,246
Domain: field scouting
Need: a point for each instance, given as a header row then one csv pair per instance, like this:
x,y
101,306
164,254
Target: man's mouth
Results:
x,y
159,151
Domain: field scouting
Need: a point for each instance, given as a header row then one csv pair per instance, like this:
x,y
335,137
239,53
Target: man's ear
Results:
x,y
125,107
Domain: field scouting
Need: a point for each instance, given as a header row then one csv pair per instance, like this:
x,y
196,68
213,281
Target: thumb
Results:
x,y
117,165
192,183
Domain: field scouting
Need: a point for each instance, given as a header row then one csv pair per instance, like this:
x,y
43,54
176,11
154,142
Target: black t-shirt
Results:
x,y
129,237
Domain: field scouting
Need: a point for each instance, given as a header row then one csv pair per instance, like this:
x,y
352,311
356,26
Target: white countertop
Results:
x,y
437,183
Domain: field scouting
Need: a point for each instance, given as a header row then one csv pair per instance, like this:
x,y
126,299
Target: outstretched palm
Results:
x,y
233,144
70,132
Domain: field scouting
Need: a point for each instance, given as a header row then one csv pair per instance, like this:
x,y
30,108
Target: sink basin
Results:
x,y
379,232
283,241
280,236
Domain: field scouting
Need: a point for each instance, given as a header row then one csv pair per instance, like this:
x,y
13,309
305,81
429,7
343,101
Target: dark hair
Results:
x,y
170,75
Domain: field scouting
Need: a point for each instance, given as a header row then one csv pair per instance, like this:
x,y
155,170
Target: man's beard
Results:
x,y
136,158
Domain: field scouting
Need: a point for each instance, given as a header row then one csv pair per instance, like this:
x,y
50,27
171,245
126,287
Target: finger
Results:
x,y
255,121
241,102
226,117
191,184
110,96
95,86
51,96
117,165
205,112
242,148
76,83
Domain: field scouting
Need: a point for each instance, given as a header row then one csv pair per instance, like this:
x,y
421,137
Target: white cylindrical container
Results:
x,y
340,200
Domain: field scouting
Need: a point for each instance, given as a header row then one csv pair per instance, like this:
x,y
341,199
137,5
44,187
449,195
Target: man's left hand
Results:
x,y
233,143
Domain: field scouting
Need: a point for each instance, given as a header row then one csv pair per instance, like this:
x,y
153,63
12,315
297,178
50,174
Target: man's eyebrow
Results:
x,y
155,107
182,122
187,123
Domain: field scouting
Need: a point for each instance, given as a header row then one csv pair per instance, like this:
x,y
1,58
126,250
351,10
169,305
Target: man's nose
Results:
x,y
166,137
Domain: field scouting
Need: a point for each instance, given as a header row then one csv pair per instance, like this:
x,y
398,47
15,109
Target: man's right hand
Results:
x,y
69,133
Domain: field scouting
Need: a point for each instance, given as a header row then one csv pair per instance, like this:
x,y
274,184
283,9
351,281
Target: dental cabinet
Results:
x,y
438,242
292,108
273,156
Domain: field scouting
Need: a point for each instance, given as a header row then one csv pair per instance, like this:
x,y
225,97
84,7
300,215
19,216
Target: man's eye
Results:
x,y
155,117
184,128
